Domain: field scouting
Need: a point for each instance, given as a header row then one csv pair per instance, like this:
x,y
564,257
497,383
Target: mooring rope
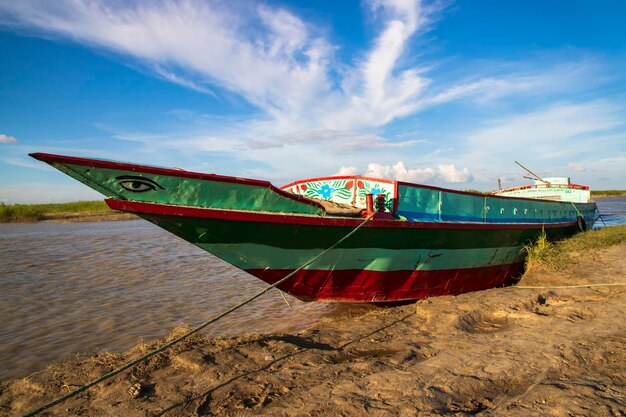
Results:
x,y
287,302
557,287
194,330
600,216
576,208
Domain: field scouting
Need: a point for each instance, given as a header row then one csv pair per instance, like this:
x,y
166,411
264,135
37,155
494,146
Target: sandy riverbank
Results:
x,y
506,352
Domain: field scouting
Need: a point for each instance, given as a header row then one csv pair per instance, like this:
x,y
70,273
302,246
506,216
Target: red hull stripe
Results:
x,y
168,210
380,286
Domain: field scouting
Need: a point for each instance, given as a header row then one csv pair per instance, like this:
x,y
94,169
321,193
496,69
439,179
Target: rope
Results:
x,y
193,331
600,216
576,208
287,302
610,284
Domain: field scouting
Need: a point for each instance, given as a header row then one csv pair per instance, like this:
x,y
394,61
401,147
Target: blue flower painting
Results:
x,y
326,191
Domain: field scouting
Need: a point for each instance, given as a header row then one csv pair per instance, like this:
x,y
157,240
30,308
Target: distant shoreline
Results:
x,y
80,211
75,217
610,193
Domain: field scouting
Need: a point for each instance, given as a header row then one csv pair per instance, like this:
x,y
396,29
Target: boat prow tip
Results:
x,y
45,157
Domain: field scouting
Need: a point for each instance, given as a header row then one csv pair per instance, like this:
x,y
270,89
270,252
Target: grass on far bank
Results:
x,y
33,212
564,254
607,193
471,190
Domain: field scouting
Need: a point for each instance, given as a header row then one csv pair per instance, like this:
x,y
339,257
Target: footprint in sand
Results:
x,y
479,322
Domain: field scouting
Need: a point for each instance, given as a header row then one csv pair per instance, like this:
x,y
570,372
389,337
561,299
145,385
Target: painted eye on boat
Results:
x,y
137,184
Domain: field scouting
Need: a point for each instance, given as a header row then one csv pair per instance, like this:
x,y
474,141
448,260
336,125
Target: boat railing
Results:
x,y
544,186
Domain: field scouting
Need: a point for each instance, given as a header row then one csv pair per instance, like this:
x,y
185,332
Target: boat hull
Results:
x,y
384,261
429,241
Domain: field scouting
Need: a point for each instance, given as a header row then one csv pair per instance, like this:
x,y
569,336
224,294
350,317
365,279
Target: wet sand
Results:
x,y
501,352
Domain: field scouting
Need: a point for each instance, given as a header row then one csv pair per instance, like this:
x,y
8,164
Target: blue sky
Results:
x,y
445,93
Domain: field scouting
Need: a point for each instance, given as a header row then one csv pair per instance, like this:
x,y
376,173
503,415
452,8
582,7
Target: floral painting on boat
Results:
x,y
346,190
339,191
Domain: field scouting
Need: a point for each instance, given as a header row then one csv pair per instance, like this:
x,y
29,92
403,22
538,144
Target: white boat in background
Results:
x,y
555,189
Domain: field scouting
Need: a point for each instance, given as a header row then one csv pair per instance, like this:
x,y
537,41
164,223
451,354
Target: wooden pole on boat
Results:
x,y
532,173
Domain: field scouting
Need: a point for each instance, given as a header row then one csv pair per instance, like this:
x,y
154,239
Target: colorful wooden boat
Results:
x,y
421,241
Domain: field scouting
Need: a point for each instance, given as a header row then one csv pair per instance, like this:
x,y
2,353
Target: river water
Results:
x,y
612,210
84,287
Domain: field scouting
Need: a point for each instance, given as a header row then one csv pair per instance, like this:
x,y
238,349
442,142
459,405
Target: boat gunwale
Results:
x,y
311,220
543,186
47,157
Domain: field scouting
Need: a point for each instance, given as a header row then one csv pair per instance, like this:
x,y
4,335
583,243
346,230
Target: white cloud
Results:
x,y
31,193
256,146
26,162
614,167
314,109
343,141
547,127
177,79
7,139
398,171
576,167
450,173
269,56
347,171
545,140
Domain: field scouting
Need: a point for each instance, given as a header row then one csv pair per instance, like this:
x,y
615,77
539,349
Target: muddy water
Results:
x,y
80,287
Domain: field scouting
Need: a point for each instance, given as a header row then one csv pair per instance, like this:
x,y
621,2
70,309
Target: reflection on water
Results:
x,y
79,287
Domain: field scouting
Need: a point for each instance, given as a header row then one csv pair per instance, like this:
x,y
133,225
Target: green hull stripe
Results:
x,y
290,236
252,256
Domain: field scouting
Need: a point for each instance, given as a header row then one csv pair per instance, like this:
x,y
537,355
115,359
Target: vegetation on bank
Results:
x,y
471,190
607,193
565,254
34,212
